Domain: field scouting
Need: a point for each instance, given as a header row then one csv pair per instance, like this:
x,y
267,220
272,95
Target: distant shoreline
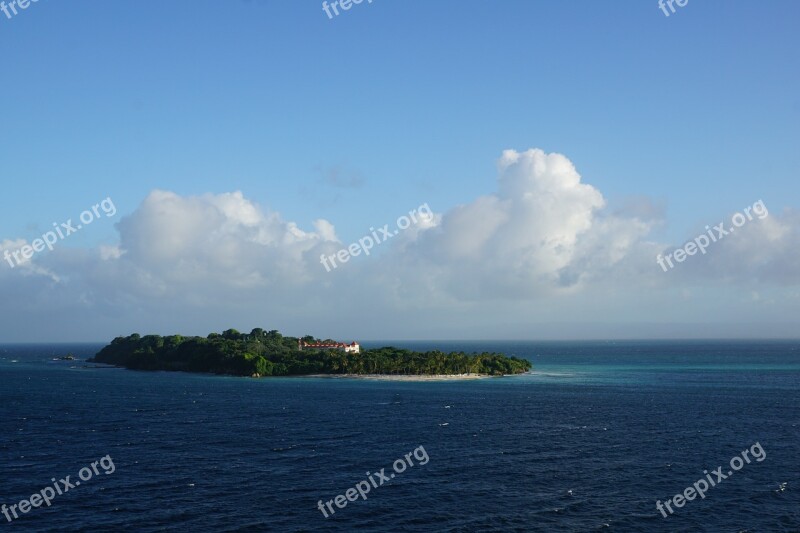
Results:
x,y
402,377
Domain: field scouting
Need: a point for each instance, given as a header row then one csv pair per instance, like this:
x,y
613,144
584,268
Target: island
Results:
x,y
268,353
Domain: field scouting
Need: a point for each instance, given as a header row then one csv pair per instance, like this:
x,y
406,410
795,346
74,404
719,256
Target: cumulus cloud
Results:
x,y
543,231
25,267
218,239
544,245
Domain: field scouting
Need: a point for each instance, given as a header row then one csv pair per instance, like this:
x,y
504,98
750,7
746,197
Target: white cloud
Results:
x,y
761,251
219,239
543,247
543,231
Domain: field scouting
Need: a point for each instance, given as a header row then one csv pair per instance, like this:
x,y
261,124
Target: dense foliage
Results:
x,y
268,353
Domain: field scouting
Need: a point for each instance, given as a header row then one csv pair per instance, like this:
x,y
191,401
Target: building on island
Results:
x,y
347,348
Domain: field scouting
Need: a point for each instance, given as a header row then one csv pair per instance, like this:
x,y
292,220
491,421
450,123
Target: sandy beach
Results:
x,y
389,377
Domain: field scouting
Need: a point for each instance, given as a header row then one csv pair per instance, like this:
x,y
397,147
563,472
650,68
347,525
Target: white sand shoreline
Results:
x,y
403,377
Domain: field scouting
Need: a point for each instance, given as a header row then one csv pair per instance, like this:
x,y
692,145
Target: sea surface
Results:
x,y
590,441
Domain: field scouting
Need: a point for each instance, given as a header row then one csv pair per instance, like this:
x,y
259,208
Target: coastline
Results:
x,y
403,377
375,377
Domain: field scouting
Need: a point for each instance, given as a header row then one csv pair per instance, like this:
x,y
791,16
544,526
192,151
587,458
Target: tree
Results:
x,y
263,367
231,334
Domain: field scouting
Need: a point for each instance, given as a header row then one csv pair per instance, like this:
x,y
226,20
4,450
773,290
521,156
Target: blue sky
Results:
x,y
358,119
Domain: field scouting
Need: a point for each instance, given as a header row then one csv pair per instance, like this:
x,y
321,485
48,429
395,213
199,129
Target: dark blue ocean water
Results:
x,y
588,442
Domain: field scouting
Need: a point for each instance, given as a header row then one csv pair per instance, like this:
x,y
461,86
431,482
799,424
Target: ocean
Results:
x,y
590,441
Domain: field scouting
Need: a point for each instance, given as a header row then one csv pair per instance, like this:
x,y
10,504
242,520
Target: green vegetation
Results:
x,y
268,353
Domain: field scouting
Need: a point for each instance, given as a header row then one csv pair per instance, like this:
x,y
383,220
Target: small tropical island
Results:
x,y
263,353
